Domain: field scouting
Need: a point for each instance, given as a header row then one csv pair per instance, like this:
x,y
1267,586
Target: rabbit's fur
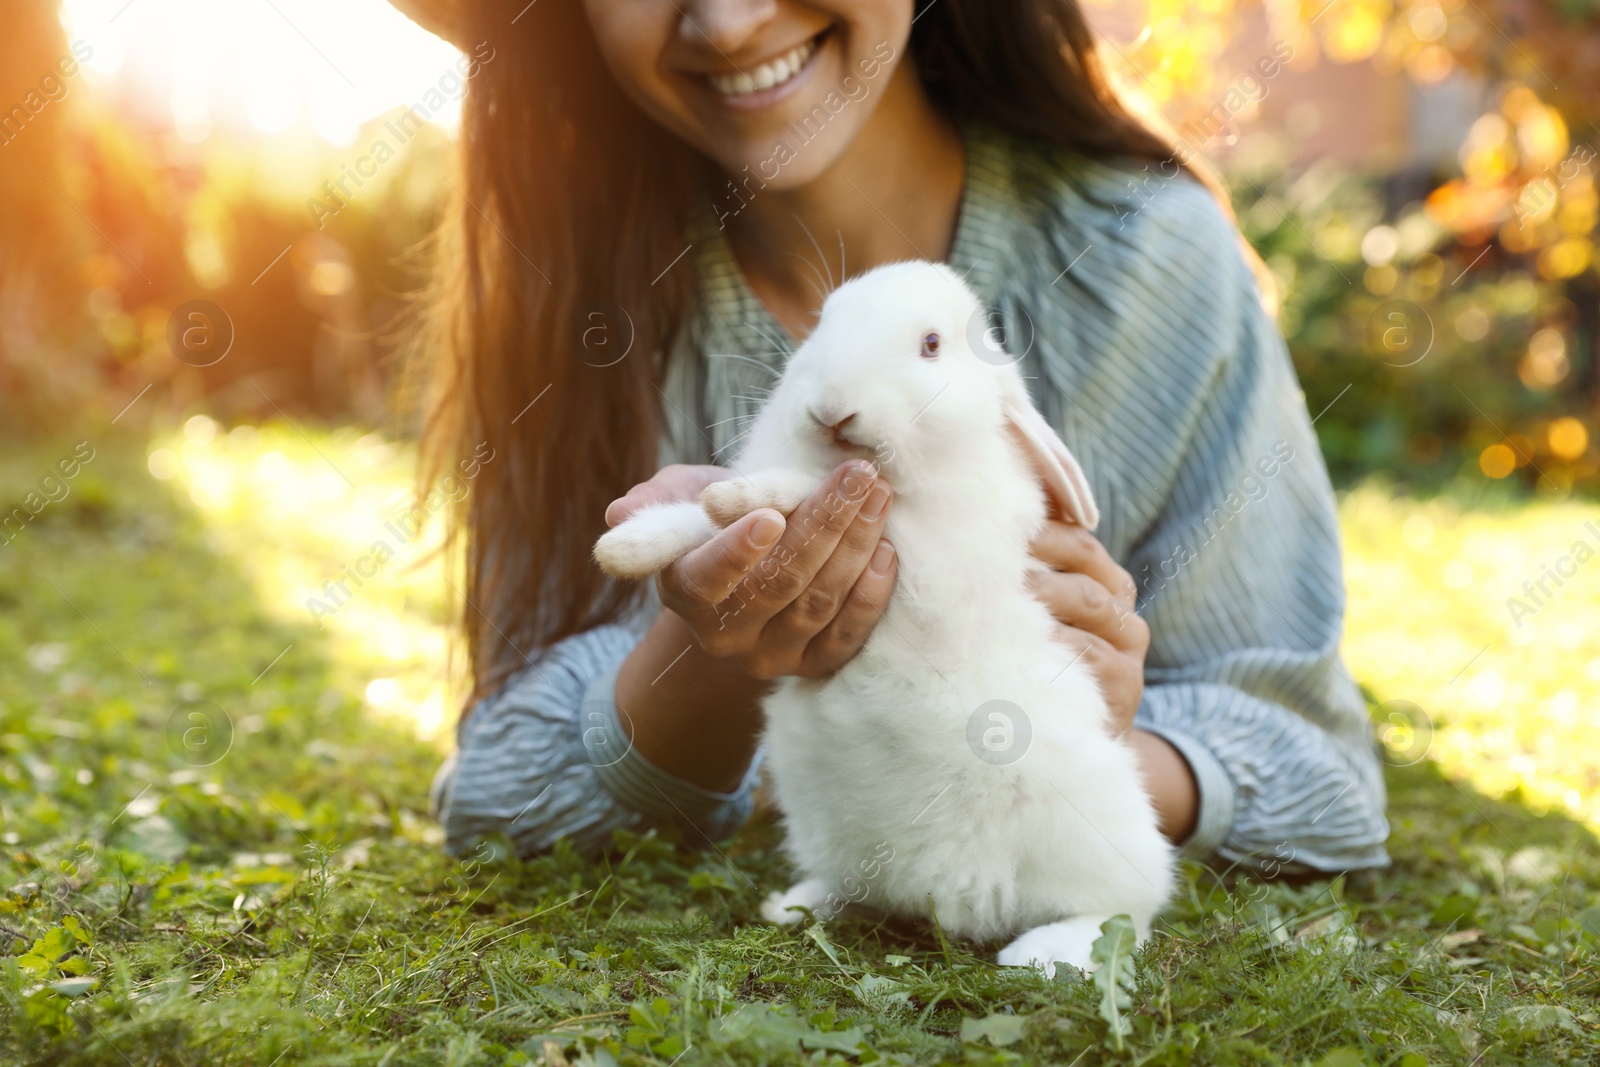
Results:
x,y
1018,818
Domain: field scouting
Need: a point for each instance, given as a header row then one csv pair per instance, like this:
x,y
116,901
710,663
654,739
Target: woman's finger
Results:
x,y
863,607
1079,601
678,482
1069,547
1119,675
814,530
712,574
817,604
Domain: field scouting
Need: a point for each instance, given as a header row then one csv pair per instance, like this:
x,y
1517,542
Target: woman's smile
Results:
x,y
767,83
776,89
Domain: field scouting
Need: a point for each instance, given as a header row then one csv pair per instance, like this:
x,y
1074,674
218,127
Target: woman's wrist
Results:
x,y
691,714
1170,782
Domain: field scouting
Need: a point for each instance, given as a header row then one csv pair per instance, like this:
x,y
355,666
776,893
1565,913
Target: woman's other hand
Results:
x,y
1092,599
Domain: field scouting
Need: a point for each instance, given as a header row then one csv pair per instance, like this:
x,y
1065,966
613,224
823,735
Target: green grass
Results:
x,y
259,885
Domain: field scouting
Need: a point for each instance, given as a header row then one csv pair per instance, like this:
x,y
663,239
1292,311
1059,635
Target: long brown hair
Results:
x,y
568,205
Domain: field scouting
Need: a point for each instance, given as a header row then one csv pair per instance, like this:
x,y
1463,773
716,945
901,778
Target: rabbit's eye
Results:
x,y
930,346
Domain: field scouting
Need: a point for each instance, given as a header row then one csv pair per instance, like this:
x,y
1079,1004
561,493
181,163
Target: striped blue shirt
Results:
x,y
1141,330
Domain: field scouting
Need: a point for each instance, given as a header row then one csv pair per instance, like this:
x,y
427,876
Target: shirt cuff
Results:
x,y
700,814
1215,817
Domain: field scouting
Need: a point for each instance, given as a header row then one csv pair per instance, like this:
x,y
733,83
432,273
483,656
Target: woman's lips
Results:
x,y
770,82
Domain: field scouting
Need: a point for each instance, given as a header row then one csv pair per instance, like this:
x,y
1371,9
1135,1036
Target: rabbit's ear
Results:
x,y
1056,466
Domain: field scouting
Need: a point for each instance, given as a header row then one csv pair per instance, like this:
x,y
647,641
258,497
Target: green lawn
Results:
x,y
215,849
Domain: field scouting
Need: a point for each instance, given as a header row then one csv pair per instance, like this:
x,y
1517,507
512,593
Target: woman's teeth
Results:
x,y
765,76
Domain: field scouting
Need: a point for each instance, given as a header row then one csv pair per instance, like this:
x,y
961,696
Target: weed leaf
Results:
x,y
782,1027
1000,1030
1113,951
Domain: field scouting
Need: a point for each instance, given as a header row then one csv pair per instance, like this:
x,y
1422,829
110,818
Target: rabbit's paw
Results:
x,y
1070,941
808,894
728,502
651,538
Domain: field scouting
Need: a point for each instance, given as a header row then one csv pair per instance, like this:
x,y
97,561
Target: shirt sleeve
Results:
x,y
1240,580
546,757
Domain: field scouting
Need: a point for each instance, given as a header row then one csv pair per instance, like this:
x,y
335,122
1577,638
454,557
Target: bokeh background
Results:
x,y
214,765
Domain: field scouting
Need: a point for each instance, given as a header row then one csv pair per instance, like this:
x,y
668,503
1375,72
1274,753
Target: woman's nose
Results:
x,y
726,25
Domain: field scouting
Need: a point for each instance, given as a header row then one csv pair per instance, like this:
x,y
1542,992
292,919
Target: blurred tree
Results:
x,y
1459,331
40,232
1526,175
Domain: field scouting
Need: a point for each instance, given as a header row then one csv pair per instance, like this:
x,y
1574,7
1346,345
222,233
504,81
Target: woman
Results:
x,y
653,196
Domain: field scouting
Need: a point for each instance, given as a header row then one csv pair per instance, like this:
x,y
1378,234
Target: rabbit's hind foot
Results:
x,y
1070,941
782,909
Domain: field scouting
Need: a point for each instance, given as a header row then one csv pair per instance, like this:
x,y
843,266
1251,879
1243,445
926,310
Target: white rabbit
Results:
x,y
963,737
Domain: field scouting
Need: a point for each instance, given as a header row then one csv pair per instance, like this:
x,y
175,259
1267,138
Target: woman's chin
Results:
x,y
752,168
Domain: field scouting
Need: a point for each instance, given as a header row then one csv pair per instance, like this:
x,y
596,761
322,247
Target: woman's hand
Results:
x,y
1093,601
782,597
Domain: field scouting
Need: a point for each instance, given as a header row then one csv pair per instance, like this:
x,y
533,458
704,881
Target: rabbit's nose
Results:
x,y
834,427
